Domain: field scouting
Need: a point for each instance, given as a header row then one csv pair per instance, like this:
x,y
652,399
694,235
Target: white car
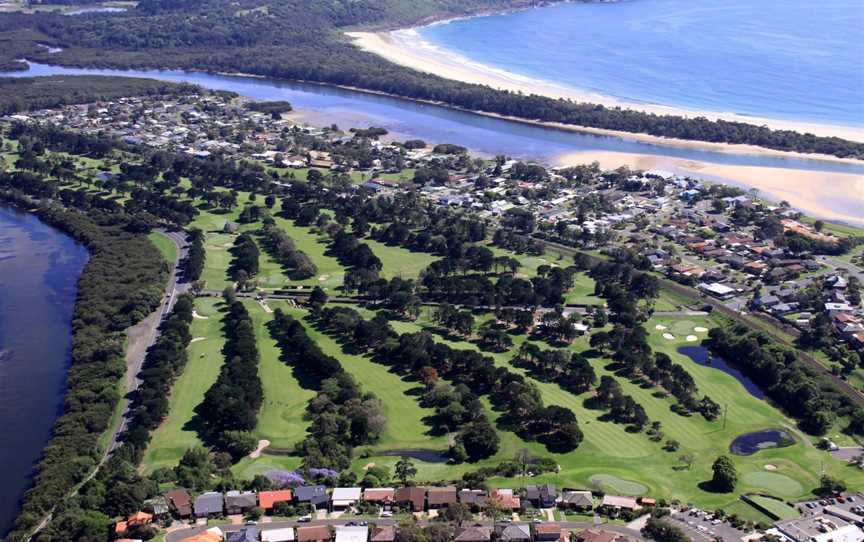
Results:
x,y
305,519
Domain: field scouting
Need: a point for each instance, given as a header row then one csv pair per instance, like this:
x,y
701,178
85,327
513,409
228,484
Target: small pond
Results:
x,y
429,456
750,443
702,356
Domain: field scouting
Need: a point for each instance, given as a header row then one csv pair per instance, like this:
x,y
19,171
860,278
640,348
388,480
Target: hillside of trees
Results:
x,y
303,40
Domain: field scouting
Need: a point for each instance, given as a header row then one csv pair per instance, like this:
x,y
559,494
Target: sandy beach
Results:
x,y
407,48
831,196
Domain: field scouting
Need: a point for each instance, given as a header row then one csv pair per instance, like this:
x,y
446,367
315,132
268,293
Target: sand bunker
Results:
x,y
322,278
669,336
699,329
770,467
261,445
198,316
692,338
660,327
196,339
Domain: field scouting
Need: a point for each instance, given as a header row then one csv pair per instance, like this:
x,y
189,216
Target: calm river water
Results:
x,y
39,270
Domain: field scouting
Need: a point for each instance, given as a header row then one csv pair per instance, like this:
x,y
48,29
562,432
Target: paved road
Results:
x,y
141,336
177,536
836,263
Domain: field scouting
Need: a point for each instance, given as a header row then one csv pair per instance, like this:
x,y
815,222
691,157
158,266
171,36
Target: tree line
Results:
x,y
342,416
229,411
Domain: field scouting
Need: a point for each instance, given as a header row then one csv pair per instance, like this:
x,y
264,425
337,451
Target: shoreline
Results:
x,y
406,47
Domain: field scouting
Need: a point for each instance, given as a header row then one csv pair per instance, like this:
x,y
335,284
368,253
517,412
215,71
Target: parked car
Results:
x,y
304,519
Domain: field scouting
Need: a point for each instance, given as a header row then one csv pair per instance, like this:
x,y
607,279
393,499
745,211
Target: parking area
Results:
x,y
702,526
853,503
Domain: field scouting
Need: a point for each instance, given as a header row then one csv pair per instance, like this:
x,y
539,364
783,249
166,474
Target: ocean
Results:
x,y
795,60
39,270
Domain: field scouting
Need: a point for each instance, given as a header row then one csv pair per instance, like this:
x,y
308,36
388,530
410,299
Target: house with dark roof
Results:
x,y
209,504
475,533
514,532
240,502
550,532
180,501
474,498
411,497
577,500
314,495
439,497
542,496
247,534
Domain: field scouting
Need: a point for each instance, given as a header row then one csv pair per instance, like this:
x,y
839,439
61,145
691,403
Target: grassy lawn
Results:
x,y
281,417
165,245
398,261
611,457
330,271
177,433
778,508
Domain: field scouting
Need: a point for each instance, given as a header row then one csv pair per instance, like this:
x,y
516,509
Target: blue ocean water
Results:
x,y
783,59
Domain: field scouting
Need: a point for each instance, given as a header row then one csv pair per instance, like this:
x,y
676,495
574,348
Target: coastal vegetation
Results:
x,y
120,285
302,40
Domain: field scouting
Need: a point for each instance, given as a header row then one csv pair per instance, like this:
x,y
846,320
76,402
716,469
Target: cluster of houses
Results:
x,y
179,504
540,532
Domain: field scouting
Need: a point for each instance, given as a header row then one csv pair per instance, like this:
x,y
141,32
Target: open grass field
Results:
x,y
165,245
177,433
778,508
398,261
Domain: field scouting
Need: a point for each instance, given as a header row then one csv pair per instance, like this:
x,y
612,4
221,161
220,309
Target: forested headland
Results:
x,y
303,40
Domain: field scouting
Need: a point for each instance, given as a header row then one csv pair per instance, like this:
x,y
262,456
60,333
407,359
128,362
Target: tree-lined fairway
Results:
x,y
178,432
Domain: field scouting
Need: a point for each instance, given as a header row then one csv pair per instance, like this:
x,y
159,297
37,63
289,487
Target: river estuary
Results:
x,y
39,270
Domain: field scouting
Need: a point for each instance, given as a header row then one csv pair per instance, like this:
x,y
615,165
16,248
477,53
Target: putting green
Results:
x,y
613,484
773,482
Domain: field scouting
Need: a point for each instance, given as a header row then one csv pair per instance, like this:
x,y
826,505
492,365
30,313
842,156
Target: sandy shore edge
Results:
x,y
406,48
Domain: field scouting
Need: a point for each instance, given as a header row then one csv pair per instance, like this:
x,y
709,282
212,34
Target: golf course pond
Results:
x,y
750,443
429,456
703,357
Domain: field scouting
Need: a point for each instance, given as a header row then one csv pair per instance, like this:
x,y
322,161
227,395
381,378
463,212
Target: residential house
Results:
x,y
209,504
352,533
247,534
240,502
380,496
718,290
313,533
385,533
316,496
411,497
599,535
474,498
577,500
615,503
181,502
158,506
345,497
210,535
506,498
278,535
268,499
542,496
475,533
439,497
550,532
514,532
